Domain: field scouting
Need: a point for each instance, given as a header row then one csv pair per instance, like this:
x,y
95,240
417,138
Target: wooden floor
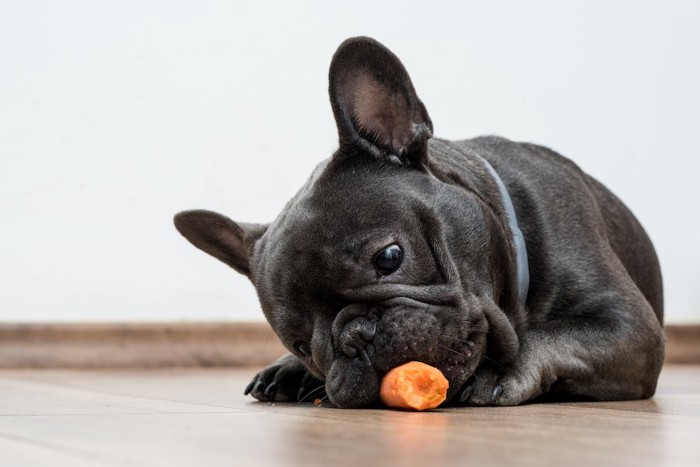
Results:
x,y
200,418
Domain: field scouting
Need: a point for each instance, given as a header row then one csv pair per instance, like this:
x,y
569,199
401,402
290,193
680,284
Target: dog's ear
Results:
x,y
375,104
224,239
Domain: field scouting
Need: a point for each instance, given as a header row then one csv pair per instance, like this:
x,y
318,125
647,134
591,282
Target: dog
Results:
x,y
500,263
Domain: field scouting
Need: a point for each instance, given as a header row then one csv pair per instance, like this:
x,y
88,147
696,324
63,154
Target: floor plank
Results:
x,y
200,417
19,452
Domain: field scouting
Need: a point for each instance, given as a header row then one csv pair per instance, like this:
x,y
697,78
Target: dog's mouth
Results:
x,y
367,345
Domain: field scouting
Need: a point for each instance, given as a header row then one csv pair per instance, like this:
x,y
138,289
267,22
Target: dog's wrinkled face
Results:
x,y
355,278
376,261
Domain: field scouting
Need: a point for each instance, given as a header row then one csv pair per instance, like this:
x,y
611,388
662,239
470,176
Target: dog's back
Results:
x,y
552,198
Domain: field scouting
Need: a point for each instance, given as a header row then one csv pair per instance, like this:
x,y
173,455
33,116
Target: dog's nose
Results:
x,y
356,335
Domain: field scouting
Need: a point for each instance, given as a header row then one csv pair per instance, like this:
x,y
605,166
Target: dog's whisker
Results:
x,y
454,351
312,393
494,362
466,342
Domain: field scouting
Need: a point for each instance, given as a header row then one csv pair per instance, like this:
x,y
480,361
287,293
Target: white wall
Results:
x,y
115,115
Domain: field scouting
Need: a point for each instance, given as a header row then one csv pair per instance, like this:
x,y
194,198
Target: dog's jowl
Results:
x,y
502,264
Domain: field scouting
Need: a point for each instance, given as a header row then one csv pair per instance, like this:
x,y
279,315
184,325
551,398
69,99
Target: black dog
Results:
x,y
500,263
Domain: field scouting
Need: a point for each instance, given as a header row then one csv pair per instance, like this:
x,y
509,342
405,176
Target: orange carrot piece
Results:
x,y
414,385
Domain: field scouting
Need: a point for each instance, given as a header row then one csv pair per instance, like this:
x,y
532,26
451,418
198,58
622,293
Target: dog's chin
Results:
x,y
354,382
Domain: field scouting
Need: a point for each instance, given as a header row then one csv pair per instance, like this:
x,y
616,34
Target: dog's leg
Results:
x,y
285,380
607,348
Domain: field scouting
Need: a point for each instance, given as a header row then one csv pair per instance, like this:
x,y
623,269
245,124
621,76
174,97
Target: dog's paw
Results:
x,y
514,386
286,380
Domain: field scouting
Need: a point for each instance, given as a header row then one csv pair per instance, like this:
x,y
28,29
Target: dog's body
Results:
x,y
399,248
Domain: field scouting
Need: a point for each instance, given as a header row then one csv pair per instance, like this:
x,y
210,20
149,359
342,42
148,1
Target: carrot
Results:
x,y
414,385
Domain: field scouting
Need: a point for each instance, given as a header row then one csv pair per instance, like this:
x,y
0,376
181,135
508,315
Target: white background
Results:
x,y
116,115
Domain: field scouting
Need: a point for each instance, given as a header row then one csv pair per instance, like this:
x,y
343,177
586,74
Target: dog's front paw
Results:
x,y
285,380
490,386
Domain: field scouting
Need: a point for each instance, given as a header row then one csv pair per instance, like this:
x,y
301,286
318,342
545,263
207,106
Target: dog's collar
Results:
x,y
518,240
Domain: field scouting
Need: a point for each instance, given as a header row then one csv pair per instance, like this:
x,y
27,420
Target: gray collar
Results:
x,y
518,239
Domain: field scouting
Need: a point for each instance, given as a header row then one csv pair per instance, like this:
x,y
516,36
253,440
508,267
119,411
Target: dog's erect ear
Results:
x,y
224,239
374,103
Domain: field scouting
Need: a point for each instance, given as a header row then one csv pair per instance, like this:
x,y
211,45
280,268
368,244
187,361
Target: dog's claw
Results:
x,y
281,381
249,388
497,391
270,390
466,394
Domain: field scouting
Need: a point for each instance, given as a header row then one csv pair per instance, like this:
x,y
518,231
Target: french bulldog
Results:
x,y
500,263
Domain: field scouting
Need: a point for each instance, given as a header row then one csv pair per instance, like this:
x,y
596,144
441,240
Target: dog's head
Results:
x,y
376,261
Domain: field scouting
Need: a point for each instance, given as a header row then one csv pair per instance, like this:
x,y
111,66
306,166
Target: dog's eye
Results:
x,y
302,348
388,260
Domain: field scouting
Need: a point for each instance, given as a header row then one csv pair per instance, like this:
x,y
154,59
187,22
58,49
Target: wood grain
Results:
x,y
185,417
167,344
